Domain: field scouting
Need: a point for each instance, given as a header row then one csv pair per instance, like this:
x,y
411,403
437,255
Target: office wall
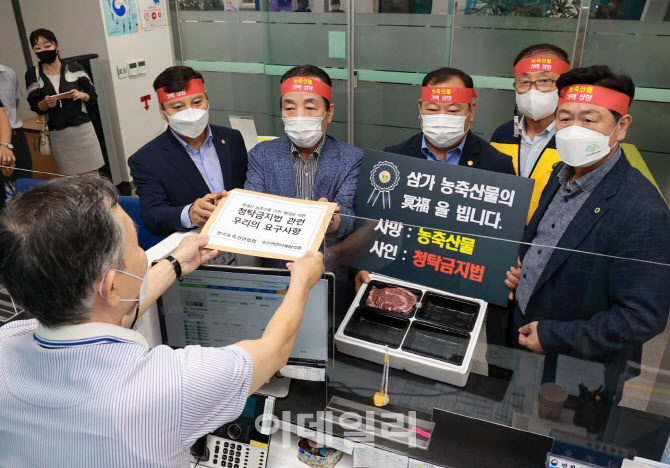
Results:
x,y
80,28
135,125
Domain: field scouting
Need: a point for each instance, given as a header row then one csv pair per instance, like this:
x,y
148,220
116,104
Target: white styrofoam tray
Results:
x,y
403,360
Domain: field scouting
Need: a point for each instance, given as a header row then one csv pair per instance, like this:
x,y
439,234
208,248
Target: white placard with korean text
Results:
x,y
262,225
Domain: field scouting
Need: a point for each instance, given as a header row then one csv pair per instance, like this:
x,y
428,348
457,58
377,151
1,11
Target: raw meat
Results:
x,y
392,299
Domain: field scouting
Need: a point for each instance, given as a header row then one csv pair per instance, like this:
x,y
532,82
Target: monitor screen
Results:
x,y
221,305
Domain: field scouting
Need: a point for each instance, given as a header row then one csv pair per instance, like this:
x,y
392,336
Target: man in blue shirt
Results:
x,y
445,122
446,111
182,173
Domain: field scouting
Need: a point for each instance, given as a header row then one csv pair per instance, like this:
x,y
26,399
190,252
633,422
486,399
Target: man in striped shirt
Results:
x,y
307,163
78,388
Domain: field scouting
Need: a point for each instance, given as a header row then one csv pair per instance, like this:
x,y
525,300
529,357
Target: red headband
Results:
x,y
194,86
447,95
307,85
597,95
537,64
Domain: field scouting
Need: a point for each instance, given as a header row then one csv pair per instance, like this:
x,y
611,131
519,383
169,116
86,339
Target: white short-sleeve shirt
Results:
x,y
9,93
95,395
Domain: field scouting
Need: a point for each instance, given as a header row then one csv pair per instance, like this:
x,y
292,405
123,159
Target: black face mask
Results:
x,y
47,56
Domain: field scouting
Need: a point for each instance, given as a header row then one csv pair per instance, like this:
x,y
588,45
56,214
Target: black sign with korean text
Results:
x,y
445,226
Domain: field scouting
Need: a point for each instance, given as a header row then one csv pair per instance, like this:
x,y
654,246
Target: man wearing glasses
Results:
x,y
529,137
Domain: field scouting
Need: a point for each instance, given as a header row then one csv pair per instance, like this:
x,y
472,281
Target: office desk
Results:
x,y
492,398
507,397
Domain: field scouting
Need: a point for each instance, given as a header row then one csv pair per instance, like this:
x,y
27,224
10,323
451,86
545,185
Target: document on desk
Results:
x,y
421,464
312,374
366,456
262,225
570,372
643,463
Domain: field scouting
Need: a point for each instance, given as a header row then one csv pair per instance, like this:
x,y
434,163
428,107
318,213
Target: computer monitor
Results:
x,y
221,305
8,309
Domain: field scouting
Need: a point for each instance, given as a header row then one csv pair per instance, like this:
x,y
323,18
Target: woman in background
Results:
x,y
59,91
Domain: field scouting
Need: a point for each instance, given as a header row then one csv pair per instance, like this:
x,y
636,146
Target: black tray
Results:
x,y
435,342
374,284
370,325
448,311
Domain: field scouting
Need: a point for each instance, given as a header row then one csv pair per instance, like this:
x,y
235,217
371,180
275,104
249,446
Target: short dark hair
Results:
x,y
56,240
537,48
41,32
599,75
311,71
176,78
446,73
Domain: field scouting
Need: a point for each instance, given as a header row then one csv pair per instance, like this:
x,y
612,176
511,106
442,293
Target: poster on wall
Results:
x,y
120,16
152,14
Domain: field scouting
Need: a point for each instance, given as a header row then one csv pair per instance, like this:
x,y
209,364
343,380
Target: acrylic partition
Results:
x,y
603,319
435,302
387,47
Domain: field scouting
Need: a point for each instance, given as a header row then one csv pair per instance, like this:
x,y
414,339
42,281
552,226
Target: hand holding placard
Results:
x,y
270,226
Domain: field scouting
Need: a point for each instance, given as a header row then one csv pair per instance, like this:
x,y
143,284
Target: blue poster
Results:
x,y
120,16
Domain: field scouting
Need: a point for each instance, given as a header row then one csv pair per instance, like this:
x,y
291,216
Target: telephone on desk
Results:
x,y
238,444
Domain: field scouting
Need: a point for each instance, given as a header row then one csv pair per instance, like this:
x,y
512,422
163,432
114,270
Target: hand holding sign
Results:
x,y
268,226
440,225
203,208
513,278
335,223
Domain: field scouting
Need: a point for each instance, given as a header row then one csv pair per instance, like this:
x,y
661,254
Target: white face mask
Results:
x,y
304,132
536,104
581,147
443,130
189,122
143,287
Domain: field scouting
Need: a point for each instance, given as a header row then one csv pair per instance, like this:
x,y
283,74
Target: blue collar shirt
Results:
x,y
207,161
95,394
453,156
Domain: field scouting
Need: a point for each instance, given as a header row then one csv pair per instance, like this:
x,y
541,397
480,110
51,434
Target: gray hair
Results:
x,y
56,240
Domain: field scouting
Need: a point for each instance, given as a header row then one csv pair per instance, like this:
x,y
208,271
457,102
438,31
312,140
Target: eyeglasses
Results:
x,y
543,84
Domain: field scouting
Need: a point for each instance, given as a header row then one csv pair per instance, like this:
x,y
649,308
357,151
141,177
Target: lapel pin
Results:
x,y
470,163
223,142
597,210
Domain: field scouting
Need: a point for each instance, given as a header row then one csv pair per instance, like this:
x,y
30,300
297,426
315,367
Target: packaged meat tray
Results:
x,y
391,298
426,331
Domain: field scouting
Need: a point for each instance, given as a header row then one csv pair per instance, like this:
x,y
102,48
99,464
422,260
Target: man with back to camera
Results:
x,y
600,307
530,139
307,163
182,173
446,111
78,388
